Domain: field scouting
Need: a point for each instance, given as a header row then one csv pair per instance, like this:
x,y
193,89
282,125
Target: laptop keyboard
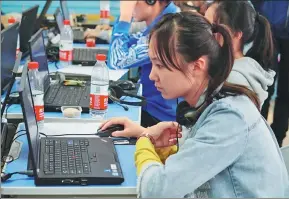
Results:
x,y
66,96
87,54
66,157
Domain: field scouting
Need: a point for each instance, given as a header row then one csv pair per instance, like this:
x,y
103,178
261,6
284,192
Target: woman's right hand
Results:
x,y
131,129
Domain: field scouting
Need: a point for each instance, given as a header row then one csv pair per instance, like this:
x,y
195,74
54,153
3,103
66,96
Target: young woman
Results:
x,y
230,151
252,70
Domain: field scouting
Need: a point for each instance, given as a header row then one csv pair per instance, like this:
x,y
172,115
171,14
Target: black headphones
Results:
x,y
151,2
188,116
115,92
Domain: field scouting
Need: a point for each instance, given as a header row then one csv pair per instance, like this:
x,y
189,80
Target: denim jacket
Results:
x,y
230,152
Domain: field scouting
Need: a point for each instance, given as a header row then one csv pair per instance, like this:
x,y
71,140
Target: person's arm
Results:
x,y
215,146
127,51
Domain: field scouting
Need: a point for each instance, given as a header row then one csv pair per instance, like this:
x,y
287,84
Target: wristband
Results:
x,y
148,136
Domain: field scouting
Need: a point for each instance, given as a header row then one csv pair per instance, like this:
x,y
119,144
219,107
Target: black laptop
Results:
x,y
56,95
67,160
8,53
26,28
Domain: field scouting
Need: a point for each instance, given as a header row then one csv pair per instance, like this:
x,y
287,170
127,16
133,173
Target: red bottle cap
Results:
x,y
66,22
11,20
101,57
33,65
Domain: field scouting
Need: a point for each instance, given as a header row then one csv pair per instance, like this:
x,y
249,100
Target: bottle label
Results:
x,y
38,105
98,102
65,50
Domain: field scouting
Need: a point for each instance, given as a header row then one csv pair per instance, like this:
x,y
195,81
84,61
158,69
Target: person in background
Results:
x,y
277,12
216,160
254,69
131,50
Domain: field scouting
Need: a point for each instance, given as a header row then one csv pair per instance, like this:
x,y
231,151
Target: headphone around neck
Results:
x,y
188,116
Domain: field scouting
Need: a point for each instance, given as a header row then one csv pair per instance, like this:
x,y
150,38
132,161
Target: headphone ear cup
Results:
x,y
114,93
151,2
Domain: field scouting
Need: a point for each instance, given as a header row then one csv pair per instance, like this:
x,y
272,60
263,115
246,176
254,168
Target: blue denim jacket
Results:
x,y
230,152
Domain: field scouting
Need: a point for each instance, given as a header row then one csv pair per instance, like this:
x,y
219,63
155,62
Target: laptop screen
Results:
x,y
8,53
38,54
29,117
59,19
26,28
64,9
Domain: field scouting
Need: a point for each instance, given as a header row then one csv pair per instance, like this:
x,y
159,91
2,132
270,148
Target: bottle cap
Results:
x,y
11,20
33,65
101,57
66,22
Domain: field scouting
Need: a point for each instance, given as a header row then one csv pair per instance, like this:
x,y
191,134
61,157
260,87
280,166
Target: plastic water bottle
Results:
x,y
36,83
104,12
99,88
66,45
11,21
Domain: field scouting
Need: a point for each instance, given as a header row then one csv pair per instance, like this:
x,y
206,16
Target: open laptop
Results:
x,y
84,56
41,17
8,98
26,28
8,53
67,160
78,34
56,95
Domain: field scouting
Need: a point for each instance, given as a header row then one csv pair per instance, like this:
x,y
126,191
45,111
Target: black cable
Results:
x,y
6,176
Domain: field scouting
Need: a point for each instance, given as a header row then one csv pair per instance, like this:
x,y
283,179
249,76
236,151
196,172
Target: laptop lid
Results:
x,y
8,53
10,85
26,28
27,105
38,54
64,8
59,19
42,15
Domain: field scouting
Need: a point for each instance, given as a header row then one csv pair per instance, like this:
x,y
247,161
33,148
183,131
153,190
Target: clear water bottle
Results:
x,y
104,12
37,89
66,45
99,88
11,21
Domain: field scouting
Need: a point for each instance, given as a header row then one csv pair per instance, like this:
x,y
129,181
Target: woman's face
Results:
x,y
172,83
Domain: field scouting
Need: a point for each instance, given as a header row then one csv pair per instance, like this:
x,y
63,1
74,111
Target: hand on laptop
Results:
x,y
131,129
93,33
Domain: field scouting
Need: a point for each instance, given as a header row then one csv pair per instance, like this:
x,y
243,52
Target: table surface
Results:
x,y
114,110
23,185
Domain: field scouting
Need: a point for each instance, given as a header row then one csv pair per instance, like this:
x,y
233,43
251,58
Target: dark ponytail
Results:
x,y
227,59
240,16
263,47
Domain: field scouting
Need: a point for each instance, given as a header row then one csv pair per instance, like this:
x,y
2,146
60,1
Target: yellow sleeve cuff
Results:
x,y
165,152
145,153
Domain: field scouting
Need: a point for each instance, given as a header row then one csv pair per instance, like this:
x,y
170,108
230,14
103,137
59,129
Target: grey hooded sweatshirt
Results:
x,y
248,72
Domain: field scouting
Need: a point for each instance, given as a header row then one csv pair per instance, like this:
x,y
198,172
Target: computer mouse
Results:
x,y
127,85
107,132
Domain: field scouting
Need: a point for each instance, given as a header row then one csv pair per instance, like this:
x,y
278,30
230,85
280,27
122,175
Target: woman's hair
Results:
x,y
186,36
240,16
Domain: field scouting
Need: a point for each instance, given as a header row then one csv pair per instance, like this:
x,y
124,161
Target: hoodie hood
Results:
x,y
248,72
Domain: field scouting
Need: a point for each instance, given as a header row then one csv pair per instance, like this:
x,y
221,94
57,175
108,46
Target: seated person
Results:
x,y
230,150
131,50
254,68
